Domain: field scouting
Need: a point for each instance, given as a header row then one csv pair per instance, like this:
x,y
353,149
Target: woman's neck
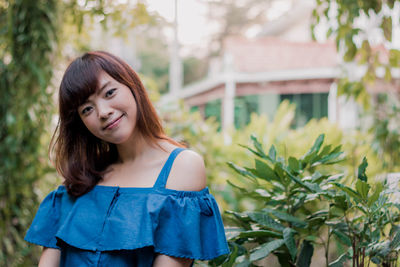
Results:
x,y
135,147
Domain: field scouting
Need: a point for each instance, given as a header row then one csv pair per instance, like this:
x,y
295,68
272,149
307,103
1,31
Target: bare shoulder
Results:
x,y
188,172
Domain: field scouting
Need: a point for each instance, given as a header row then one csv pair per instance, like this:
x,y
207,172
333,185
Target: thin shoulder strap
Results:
x,y
163,176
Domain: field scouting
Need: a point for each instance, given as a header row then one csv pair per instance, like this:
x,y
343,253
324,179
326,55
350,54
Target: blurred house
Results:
x,y
256,75
282,62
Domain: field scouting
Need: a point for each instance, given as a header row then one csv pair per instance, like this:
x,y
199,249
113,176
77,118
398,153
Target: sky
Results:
x,y
194,30
192,23
193,27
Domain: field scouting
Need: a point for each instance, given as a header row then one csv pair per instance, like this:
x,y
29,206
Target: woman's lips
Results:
x,y
113,123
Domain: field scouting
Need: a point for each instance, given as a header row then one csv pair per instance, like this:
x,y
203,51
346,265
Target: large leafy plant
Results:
x,y
299,203
366,221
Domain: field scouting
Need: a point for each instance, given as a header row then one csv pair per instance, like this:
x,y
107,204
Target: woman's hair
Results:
x,y
80,157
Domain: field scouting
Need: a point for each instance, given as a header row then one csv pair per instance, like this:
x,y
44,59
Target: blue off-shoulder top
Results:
x,y
128,226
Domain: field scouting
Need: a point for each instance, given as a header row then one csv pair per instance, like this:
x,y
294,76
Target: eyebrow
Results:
x,y
104,86
98,91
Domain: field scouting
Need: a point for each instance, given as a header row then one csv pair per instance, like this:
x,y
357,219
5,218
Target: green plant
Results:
x,y
28,37
291,189
360,219
304,205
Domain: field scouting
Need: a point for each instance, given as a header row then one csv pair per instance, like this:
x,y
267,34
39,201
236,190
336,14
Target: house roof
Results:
x,y
267,59
269,53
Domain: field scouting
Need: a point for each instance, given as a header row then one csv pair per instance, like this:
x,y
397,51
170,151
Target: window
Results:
x,y
308,106
244,106
213,109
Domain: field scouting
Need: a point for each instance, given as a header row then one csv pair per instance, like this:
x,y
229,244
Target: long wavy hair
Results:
x,y
80,157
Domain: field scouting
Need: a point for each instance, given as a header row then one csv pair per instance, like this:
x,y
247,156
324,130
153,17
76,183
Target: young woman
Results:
x,y
131,196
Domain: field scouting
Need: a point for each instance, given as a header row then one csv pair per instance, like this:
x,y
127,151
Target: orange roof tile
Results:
x,y
265,54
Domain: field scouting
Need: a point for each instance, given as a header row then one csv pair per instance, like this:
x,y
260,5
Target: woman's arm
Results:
x,y
167,261
50,257
187,173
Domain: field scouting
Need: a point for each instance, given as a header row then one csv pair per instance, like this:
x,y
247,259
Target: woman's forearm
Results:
x,y
167,261
50,257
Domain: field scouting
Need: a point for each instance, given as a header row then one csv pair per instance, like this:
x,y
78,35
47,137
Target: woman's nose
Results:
x,y
104,111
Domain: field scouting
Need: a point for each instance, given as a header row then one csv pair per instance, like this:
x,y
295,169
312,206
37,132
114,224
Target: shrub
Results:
x,y
300,201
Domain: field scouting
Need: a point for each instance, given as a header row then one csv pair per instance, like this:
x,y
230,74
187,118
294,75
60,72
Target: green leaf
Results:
x,y
395,244
315,177
240,170
318,214
376,260
314,187
361,170
340,201
255,152
339,261
388,74
262,193
348,191
329,158
283,257
243,190
265,249
337,224
381,249
288,237
310,155
279,170
287,218
264,219
342,237
394,57
232,257
272,153
387,28
294,164
241,219
305,185
335,212
306,253
258,146
317,219
264,171
351,49
325,150
232,232
362,188
318,142
335,177
258,233
337,149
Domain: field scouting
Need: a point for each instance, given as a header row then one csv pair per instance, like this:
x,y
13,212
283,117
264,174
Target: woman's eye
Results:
x,y
110,92
86,110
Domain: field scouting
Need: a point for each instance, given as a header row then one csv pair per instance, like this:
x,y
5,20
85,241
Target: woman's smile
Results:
x,y
113,124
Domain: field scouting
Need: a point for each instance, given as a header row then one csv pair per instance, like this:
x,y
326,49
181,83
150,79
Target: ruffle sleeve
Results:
x,y
190,226
47,220
176,223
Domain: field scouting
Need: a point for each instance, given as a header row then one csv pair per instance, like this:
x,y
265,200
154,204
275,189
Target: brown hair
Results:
x,y
80,157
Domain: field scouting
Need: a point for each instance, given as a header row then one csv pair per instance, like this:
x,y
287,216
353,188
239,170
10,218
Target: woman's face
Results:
x,y
111,112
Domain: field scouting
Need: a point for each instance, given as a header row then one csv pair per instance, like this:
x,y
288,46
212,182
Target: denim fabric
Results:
x,y
127,226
